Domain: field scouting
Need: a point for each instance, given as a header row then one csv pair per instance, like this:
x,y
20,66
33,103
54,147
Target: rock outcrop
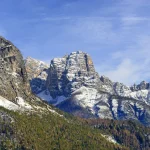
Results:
x,y
37,74
142,86
15,91
71,72
13,75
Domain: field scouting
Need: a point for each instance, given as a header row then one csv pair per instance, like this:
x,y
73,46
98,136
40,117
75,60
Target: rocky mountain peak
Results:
x,y
71,72
142,86
4,42
37,74
82,61
13,76
106,80
34,67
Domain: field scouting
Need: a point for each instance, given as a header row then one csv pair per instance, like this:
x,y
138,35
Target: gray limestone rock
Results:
x,y
142,86
71,72
37,74
13,75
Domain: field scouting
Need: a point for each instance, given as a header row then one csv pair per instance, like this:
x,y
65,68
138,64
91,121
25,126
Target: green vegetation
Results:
x,y
127,133
48,132
22,131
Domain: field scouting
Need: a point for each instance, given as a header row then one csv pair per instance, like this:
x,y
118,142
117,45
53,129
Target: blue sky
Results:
x,y
116,33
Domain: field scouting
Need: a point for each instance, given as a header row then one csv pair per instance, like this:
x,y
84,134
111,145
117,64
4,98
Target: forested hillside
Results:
x,y
133,135
48,132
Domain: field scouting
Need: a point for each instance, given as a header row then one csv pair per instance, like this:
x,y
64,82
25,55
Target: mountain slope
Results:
x,y
74,86
49,131
128,133
15,92
13,76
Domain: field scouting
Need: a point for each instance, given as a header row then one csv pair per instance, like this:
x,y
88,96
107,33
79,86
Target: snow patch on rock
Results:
x,y
86,97
45,95
20,104
8,104
110,139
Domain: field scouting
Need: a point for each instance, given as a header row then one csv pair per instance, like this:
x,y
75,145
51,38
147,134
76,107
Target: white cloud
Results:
x,y
92,29
125,72
133,63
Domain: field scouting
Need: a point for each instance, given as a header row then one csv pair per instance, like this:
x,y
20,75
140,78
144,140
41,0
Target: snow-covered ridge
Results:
x,y
39,62
22,106
35,67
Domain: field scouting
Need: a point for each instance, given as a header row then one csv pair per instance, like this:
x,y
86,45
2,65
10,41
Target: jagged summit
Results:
x,y
34,67
142,86
71,72
78,52
4,42
36,61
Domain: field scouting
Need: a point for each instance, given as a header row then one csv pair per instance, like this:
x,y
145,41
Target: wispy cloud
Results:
x,y
133,63
56,18
125,72
130,21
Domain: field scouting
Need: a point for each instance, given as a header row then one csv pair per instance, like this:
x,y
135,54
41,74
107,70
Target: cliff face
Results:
x,y
37,74
15,92
71,72
13,75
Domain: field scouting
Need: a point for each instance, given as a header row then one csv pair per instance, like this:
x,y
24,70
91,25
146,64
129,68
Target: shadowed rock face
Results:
x,y
37,74
13,75
71,72
142,86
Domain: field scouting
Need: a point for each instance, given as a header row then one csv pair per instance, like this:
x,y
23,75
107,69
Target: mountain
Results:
x,y
13,76
74,86
37,74
68,74
26,122
15,92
